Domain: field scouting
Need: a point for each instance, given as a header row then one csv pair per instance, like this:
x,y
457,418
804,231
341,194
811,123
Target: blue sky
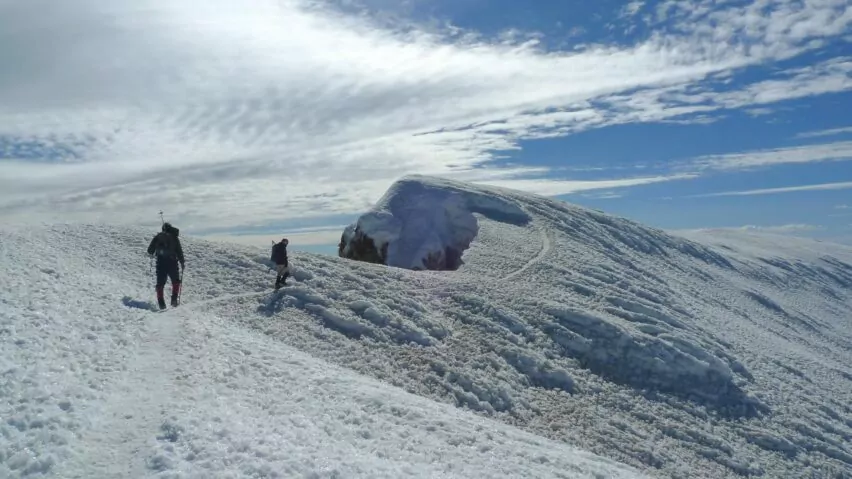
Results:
x,y
252,120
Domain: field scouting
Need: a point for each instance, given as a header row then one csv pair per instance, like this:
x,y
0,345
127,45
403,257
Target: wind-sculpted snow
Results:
x,y
424,224
95,385
697,354
664,345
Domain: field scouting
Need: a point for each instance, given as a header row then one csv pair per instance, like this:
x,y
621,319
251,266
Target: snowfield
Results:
x,y
699,354
97,385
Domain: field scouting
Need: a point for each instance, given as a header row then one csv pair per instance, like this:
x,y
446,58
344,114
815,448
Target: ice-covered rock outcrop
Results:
x,y
424,223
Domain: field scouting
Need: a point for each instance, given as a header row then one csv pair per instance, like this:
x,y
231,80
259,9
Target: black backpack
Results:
x,y
279,253
166,245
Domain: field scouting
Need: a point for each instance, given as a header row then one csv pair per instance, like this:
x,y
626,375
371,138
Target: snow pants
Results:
x,y
283,272
168,269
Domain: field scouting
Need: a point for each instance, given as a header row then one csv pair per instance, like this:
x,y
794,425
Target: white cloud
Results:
x,y
694,101
843,211
792,229
749,160
632,8
759,111
603,195
839,151
564,187
788,228
830,132
788,189
831,76
229,113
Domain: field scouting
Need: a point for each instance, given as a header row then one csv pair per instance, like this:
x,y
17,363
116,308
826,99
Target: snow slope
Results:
x,y
95,384
699,354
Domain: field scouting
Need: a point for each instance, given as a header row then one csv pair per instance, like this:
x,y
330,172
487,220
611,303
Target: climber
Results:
x,y
279,257
166,246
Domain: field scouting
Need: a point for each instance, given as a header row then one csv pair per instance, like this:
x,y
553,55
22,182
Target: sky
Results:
x,y
249,120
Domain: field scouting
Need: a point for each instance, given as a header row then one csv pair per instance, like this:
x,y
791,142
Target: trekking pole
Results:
x,y
180,291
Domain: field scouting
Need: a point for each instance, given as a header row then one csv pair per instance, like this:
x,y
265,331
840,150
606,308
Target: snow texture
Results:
x,y
97,384
703,354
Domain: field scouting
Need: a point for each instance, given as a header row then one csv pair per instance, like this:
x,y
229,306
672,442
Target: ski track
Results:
x,y
545,249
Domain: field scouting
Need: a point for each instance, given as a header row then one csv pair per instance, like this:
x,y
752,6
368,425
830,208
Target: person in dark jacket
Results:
x,y
166,246
279,257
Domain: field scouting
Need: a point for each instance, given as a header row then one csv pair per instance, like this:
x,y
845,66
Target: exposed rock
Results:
x,y
357,245
360,247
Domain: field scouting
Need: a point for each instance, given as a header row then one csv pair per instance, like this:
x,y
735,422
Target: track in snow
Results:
x,y
545,248
135,414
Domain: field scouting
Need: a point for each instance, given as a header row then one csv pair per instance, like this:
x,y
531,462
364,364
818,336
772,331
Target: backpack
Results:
x,y
168,228
279,253
166,246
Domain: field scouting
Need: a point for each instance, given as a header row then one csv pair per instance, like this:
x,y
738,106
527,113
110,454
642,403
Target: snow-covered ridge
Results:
x,y
703,355
632,341
592,305
95,384
425,223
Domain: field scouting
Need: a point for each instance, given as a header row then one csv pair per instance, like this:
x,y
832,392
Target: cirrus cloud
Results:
x,y
230,113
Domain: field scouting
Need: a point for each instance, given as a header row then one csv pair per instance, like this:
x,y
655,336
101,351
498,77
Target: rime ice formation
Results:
x,y
424,223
